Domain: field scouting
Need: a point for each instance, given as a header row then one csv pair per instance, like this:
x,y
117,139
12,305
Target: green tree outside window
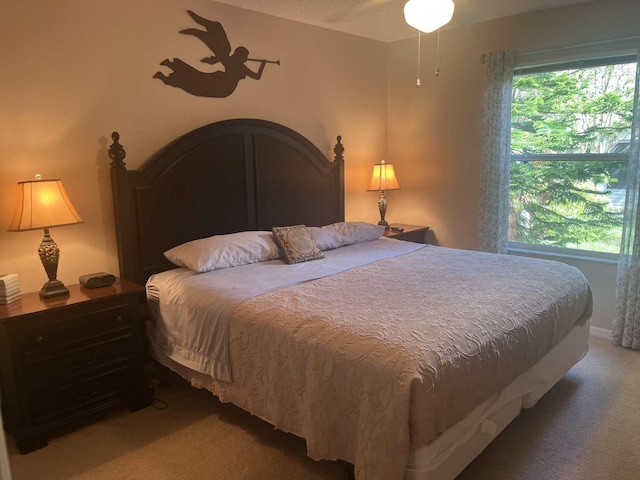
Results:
x,y
567,183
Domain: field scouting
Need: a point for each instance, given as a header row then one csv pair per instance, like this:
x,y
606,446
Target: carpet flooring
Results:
x,y
586,427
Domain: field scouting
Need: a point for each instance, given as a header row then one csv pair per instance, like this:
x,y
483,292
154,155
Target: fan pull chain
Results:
x,y
418,80
437,72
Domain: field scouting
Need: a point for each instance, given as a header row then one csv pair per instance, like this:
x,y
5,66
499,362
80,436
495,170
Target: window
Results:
x,y
570,128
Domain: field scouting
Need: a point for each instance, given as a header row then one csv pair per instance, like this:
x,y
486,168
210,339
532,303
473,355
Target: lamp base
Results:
x,y
53,288
382,206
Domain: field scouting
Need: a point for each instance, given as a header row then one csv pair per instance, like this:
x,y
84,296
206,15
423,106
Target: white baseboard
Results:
x,y
600,332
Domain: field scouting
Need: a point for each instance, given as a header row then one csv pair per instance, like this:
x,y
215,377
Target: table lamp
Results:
x,y
45,204
383,179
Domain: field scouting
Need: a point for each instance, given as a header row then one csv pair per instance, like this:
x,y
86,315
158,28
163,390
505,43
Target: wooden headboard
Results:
x,y
225,177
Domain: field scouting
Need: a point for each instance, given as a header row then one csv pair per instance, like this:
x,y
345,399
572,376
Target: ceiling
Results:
x,y
383,19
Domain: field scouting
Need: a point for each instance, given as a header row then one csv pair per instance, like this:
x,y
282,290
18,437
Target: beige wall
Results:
x,y
435,132
74,71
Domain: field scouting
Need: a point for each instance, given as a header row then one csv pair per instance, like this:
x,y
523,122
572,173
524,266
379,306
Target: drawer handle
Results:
x,y
39,339
119,319
86,363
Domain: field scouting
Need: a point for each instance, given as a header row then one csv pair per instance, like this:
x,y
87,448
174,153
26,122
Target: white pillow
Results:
x,y
341,234
224,251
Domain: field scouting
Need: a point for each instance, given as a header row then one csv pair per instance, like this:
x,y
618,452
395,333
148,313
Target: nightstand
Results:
x,y
410,233
65,359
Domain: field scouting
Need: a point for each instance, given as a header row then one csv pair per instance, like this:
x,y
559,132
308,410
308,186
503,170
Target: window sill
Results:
x,y
516,248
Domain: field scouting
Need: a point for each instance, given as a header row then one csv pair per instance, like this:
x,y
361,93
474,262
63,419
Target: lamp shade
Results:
x,y
42,204
383,178
428,15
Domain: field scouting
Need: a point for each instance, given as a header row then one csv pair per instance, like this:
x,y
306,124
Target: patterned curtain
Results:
x,y
493,222
626,324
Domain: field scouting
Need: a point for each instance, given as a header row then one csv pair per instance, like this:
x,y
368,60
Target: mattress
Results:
x,y
375,363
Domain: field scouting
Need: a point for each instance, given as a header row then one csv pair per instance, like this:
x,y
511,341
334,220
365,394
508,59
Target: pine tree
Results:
x,y
579,111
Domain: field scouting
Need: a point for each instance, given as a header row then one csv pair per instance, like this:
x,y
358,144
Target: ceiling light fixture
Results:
x,y
428,15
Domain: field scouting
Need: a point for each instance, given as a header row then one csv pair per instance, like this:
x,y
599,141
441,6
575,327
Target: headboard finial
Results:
x,y
116,151
339,150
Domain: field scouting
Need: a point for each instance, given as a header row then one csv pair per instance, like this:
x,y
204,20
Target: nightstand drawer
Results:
x,y
79,395
65,359
46,372
415,237
49,337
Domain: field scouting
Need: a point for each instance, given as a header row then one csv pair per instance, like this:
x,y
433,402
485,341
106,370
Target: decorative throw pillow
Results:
x,y
341,234
296,244
224,251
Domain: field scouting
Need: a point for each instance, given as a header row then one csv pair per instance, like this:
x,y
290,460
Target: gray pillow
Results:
x,y
296,244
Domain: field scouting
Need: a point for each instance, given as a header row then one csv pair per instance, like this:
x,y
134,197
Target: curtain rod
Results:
x,y
483,58
580,45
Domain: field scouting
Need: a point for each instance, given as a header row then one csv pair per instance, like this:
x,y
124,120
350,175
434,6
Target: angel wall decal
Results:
x,y
221,83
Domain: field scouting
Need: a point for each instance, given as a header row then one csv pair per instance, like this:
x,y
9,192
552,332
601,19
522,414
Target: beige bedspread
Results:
x,y
376,360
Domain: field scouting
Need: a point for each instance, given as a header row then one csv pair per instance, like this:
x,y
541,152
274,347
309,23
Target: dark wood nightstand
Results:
x,y
410,233
67,358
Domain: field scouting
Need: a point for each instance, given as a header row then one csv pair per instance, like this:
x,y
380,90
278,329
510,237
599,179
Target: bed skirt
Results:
x,y
448,455
451,452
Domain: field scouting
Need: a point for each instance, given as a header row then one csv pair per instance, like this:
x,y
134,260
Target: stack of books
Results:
x,y
9,288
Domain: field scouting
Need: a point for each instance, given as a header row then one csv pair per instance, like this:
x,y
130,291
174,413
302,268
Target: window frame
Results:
x,y
616,56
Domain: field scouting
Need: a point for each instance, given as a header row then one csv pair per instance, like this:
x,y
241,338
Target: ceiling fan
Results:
x,y
428,15
424,15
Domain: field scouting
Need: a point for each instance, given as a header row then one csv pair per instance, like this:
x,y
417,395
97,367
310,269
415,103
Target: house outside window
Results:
x,y
570,130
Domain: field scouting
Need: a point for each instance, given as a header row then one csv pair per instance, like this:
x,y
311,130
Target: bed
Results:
x,y
405,360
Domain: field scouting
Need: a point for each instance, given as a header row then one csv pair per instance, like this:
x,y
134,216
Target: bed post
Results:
x,y
338,150
125,234
338,159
